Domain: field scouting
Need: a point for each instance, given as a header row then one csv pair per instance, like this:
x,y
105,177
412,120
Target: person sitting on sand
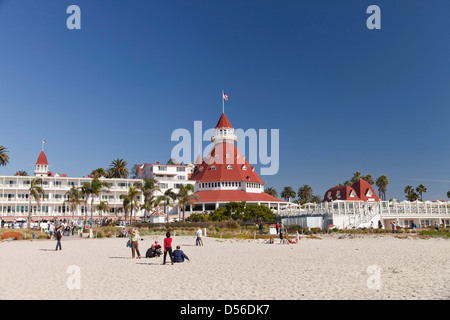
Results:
x,y
179,256
157,249
149,253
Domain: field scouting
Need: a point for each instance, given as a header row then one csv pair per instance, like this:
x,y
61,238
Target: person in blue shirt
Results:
x,y
179,256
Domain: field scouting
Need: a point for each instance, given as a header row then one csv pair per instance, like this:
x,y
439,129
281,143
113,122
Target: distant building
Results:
x,y
361,190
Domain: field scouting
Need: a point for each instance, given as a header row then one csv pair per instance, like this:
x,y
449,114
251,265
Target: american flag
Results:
x,y
225,97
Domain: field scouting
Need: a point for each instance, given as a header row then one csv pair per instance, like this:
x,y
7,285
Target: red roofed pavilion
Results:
x,y
225,174
361,190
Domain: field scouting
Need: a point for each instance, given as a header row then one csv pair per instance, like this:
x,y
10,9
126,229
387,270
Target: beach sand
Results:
x,y
333,267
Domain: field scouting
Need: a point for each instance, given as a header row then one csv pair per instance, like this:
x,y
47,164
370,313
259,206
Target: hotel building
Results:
x,y
14,195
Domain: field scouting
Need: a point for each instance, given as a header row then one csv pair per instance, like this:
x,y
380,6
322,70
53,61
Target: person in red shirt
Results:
x,y
168,247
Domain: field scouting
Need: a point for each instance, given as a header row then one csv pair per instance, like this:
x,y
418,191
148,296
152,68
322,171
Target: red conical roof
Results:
x,y
223,122
42,159
225,163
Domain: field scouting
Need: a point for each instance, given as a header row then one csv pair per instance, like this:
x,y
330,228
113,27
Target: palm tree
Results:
x,y
125,204
368,178
152,203
74,198
356,176
22,173
135,171
420,189
168,197
172,161
4,158
186,196
147,187
382,183
102,207
448,194
288,193
272,191
409,191
34,192
118,169
133,192
99,171
316,199
93,189
305,193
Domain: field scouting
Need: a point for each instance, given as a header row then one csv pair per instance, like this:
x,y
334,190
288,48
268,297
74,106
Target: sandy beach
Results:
x,y
333,267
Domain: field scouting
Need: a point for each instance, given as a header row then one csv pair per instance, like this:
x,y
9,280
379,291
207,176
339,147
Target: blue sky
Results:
x,y
345,98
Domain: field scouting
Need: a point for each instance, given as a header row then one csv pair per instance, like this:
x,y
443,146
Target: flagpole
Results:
x,y
223,104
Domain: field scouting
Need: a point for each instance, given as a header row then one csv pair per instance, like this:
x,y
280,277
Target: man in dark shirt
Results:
x,y
179,256
58,235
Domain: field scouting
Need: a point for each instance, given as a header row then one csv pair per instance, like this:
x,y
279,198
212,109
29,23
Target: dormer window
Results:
x,y
229,167
213,168
227,155
338,194
244,167
352,194
238,156
369,193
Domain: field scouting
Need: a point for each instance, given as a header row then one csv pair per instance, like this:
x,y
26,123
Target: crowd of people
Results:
x,y
283,234
155,250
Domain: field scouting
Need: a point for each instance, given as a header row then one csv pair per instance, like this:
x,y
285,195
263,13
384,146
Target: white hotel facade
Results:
x,y
15,202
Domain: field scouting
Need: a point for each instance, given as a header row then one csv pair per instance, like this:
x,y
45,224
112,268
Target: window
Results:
x,y
162,168
229,167
181,169
244,167
181,178
163,185
213,168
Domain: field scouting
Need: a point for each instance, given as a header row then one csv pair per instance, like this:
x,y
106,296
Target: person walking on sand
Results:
x,y
135,244
51,230
281,233
199,240
58,236
168,248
